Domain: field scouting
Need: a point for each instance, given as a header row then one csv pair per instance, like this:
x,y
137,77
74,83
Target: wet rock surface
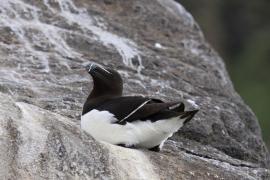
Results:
x,y
159,50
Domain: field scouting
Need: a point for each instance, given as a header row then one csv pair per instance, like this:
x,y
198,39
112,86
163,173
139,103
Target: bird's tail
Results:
x,y
188,115
180,108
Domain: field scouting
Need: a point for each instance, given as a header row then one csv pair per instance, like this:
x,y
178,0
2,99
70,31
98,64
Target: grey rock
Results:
x,y
159,50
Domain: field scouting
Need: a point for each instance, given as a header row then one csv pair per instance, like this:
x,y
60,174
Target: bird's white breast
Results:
x,y
145,134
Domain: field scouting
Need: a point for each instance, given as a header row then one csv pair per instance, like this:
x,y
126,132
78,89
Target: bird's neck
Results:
x,y
97,93
95,99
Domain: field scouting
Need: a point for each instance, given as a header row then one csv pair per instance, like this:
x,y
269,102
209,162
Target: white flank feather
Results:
x,y
144,134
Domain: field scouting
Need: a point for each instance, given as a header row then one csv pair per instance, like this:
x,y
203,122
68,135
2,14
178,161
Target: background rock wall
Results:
x,y
160,52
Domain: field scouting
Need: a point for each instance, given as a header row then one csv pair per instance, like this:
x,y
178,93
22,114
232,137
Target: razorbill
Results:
x,y
130,121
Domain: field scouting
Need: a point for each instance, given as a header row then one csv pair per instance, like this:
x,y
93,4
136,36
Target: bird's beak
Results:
x,y
93,67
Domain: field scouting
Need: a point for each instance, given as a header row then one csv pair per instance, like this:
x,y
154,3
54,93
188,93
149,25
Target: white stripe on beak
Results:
x,y
93,65
90,67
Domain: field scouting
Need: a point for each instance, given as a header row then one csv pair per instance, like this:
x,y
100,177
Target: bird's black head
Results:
x,y
106,81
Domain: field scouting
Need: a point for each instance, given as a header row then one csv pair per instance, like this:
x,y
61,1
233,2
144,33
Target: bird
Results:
x,y
128,121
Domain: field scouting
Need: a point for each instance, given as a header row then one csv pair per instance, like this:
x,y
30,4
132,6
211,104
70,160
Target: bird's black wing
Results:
x,y
132,108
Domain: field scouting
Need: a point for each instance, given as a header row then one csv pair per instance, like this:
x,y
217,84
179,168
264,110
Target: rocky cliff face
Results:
x,y
160,52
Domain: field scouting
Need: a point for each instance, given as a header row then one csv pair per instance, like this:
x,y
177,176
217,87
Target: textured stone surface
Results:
x,y
160,52
38,144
